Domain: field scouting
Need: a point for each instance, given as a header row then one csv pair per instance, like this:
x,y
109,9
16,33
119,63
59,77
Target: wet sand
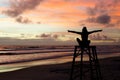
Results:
x,y
110,68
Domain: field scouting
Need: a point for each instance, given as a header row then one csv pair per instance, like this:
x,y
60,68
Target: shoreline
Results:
x,y
46,56
109,68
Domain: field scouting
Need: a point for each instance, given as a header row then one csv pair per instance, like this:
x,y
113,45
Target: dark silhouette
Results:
x,y
84,35
93,71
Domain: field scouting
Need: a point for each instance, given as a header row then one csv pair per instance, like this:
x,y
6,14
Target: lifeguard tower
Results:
x,y
81,70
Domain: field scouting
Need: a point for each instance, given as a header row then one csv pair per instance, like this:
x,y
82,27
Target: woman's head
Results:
x,y
84,29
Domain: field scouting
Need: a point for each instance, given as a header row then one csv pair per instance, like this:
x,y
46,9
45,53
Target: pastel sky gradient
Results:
x,y
47,21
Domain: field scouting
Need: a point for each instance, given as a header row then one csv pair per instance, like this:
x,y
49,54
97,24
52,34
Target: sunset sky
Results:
x,y
43,22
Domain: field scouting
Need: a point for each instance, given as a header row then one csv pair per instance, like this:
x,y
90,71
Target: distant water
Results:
x,y
49,52
46,55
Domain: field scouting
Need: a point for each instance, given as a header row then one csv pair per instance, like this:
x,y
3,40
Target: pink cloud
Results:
x,y
21,19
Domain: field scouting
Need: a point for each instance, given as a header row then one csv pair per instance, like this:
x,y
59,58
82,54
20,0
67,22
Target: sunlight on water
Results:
x,y
9,69
17,66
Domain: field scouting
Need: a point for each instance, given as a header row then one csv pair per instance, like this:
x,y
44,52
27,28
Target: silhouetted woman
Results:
x,y
84,35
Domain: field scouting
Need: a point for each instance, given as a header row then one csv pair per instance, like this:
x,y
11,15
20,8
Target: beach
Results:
x,y
54,66
110,68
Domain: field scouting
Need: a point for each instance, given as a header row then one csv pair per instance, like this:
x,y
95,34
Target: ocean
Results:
x,y
17,58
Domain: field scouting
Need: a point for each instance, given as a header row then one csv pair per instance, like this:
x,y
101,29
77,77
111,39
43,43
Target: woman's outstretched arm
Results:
x,y
75,32
95,31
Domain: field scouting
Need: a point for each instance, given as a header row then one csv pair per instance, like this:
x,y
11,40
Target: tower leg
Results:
x,y
81,65
73,63
97,65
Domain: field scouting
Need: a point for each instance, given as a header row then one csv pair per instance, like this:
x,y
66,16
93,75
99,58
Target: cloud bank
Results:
x,y
17,7
21,19
101,37
104,12
101,19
